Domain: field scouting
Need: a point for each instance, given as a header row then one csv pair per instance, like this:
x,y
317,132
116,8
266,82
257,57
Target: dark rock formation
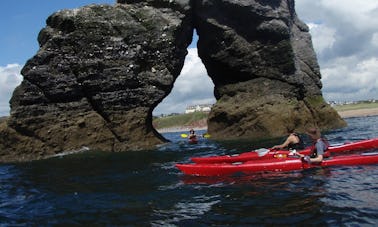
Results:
x,y
96,79
101,70
260,58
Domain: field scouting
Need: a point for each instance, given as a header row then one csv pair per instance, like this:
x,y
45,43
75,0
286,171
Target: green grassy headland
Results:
x,y
180,120
356,106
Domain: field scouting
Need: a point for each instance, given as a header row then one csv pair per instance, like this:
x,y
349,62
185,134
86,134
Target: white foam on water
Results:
x,y
64,153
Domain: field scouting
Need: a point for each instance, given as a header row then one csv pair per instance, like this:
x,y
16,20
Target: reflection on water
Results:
x,y
189,209
144,188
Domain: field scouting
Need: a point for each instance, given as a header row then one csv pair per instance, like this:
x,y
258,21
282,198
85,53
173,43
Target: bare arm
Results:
x,y
319,158
288,141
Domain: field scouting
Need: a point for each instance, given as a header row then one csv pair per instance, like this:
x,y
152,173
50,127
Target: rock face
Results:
x,y
260,58
101,70
96,79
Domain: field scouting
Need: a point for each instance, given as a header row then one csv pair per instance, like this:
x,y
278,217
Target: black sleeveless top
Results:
x,y
297,146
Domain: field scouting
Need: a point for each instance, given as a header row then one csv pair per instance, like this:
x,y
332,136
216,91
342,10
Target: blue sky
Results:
x,y
21,21
344,34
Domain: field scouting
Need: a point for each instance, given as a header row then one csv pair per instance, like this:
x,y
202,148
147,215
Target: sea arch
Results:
x,y
102,69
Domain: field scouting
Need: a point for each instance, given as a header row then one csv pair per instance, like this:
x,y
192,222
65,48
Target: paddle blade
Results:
x,y
206,135
184,135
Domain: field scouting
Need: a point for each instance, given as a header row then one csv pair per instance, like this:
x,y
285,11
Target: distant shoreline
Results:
x,y
180,129
343,114
358,113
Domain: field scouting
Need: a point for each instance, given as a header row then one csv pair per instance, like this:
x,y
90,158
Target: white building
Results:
x,y
198,108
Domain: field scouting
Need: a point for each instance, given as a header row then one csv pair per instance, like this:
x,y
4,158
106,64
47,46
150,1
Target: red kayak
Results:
x,y
275,164
269,154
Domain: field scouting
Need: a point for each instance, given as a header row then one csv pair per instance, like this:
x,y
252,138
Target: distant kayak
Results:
x,y
274,165
269,153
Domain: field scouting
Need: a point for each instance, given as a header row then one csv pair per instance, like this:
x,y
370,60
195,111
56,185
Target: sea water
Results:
x,y
145,189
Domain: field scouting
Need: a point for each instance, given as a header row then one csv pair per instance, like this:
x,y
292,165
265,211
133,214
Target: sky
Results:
x,y
344,35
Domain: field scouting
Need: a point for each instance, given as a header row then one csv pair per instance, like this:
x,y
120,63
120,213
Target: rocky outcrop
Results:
x,y
99,73
260,58
101,70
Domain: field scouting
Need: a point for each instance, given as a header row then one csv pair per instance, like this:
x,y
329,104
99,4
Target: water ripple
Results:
x,y
144,188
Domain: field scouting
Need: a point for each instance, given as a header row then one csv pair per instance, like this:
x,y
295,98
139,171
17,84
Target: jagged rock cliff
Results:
x,y
95,80
260,58
101,70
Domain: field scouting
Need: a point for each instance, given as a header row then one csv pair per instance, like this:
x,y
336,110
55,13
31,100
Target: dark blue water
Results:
x,y
145,189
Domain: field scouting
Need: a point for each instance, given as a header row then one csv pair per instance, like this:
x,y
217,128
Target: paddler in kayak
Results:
x,y
319,148
192,136
292,142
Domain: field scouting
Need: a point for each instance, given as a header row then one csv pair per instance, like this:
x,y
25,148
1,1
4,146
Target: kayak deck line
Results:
x,y
370,153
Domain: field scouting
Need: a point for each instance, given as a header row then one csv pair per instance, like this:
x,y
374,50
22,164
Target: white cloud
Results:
x,y
345,38
10,78
193,86
374,39
346,80
356,12
323,37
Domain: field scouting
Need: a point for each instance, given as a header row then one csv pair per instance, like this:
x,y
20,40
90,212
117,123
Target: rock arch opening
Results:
x,y
193,90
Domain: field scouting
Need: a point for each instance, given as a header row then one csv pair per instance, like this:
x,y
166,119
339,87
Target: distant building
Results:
x,y
340,103
198,108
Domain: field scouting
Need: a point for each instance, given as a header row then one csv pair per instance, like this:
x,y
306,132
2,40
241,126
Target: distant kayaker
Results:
x,y
292,142
319,148
192,134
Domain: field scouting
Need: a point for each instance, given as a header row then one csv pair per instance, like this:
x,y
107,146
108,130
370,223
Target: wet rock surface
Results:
x,y
260,57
